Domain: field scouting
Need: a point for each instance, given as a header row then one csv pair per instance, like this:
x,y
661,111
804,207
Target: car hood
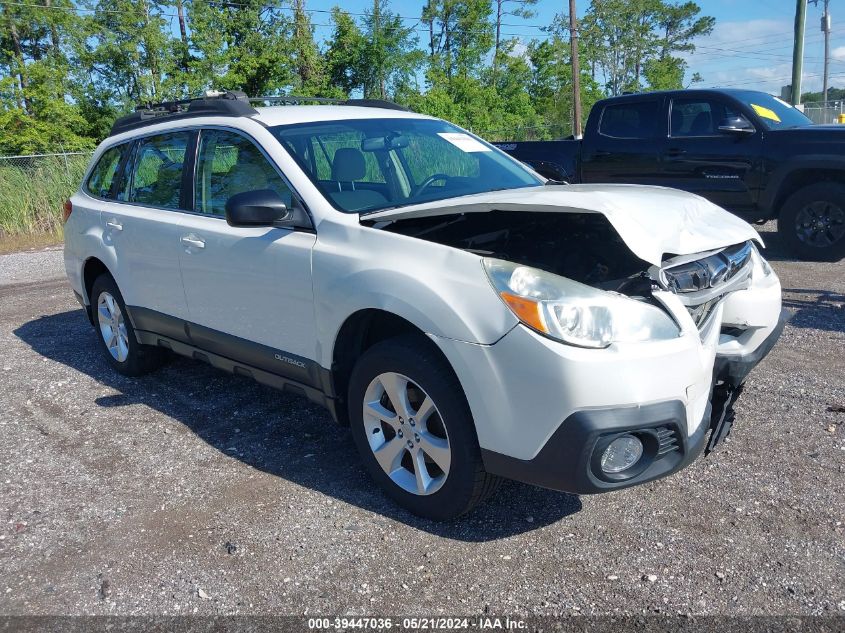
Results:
x,y
653,221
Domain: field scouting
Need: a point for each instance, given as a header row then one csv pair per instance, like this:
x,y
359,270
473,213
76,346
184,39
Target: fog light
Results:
x,y
621,454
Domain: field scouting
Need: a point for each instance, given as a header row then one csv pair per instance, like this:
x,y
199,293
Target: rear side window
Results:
x,y
103,175
637,120
157,170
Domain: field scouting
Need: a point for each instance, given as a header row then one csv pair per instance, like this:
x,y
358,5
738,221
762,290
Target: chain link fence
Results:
x,y
825,112
33,188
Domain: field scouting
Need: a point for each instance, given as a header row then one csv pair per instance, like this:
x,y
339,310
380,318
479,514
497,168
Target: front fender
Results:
x,y
441,290
774,194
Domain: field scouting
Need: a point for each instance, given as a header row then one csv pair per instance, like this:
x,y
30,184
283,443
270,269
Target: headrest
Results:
x,y
348,165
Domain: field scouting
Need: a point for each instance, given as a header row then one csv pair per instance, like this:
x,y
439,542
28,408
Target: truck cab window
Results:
x,y
698,117
636,120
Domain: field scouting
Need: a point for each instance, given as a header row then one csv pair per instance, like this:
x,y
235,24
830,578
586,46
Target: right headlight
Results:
x,y
575,313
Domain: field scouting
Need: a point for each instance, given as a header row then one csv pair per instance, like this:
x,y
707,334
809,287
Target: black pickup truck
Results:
x,y
747,151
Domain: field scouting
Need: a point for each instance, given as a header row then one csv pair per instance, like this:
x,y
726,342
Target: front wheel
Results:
x,y
812,222
412,426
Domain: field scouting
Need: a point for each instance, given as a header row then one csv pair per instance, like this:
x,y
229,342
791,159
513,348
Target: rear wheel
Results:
x,y
812,222
412,426
115,331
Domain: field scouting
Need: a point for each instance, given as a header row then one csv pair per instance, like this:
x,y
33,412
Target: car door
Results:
x,y
699,158
627,142
248,288
142,226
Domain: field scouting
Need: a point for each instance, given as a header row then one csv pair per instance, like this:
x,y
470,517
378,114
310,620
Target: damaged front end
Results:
x,y
572,277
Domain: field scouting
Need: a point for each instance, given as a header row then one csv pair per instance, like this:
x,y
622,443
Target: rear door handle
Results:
x,y
114,224
192,241
675,151
600,153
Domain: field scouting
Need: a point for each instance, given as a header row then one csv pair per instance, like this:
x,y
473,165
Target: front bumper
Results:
x,y
541,408
569,461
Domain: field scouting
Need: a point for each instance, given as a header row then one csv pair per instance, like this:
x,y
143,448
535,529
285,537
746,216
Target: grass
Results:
x,y
16,243
32,191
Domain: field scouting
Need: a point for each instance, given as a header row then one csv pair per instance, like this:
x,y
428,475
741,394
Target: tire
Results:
x,y
812,222
122,350
454,479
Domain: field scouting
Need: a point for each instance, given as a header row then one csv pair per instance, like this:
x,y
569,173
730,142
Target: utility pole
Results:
x,y
576,71
798,50
826,31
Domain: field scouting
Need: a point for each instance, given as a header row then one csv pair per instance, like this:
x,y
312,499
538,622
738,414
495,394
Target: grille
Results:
x,y
702,283
667,441
709,272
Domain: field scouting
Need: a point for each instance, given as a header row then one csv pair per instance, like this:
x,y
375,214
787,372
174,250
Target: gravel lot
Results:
x,y
191,491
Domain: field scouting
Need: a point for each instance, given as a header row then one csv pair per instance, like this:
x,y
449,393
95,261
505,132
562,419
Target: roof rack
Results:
x,y
229,103
362,103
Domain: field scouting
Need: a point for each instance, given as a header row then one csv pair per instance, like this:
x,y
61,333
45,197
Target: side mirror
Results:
x,y
263,207
736,125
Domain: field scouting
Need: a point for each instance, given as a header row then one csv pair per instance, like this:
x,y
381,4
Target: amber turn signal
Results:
x,y
526,310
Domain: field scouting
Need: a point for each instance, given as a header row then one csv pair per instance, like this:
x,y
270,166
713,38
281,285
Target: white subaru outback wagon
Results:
x,y
467,319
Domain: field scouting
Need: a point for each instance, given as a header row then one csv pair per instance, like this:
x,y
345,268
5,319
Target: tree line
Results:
x,y
68,69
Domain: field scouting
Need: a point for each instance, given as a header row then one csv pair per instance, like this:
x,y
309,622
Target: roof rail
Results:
x,y
229,103
213,103
295,100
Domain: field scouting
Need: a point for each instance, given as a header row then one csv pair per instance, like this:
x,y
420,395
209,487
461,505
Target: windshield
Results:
x,y
371,164
775,113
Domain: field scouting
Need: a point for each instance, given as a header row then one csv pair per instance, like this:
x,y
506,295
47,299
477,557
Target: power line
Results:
x,y
762,80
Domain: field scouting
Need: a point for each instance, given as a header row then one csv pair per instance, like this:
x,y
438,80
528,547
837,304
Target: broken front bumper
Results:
x,y
543,410
569,461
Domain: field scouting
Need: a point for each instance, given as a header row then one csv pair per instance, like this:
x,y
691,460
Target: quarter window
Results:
x,y
630,120
229,164
103,175
157,171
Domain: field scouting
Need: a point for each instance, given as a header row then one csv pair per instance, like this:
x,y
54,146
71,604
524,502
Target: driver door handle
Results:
x,y
114,224
192,241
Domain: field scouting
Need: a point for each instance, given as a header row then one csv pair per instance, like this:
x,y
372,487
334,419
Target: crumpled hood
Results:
x,y
653,221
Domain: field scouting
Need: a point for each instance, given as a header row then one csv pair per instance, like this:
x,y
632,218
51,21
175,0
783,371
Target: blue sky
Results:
x,y
750,47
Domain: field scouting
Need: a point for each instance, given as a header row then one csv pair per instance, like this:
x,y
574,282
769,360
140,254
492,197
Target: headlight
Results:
x,y
575,313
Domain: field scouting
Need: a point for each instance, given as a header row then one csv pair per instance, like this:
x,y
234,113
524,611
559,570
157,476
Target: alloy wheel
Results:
x,y
406,434
820,224
112,327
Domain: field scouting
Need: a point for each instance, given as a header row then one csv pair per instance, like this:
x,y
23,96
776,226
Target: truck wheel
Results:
x,y
115,331
412,426
812,222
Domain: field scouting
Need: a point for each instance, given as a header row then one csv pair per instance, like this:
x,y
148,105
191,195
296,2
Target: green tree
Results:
x,y
631,40
377,59
344,54
505,8
240,46
37,110
308,63
389,55
128,50
461,35
550,85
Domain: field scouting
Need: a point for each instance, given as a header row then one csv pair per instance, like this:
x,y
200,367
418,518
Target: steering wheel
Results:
x,y
425,184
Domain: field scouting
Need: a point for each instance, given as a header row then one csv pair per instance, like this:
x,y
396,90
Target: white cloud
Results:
x,y
757,54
